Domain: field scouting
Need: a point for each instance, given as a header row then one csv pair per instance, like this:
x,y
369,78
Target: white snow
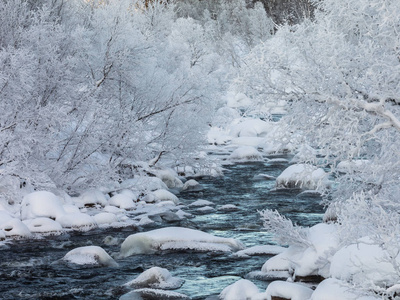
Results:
x,y
158,294
201,202
364,262
246,153
260,250
77,221
288,290
242,289
105,218
90,255
156,278
41,204
43,225
228,207
91,197
14,228
334,289
191,185
176,238
123,201
250,128
164,195
303,176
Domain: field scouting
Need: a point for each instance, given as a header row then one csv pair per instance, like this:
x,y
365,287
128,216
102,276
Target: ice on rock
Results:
x,y
77,221
91,198
246,153
44,226
302,176
288,290
364,261
90,255
334,289
260,250
41,204
192,186
228,207
159,294
122,201
240,290
156,278
176,238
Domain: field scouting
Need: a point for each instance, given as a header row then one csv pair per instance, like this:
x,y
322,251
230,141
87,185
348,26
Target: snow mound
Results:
x,y
123,201
161,195
364,262
348,166
201,202
260,250
192,186
334,289
288,290
77,221
246,153
156,278
144,183
90,255
41,204
176,238
242,289
250,128
13,227
228,207
91,198
105,218
44,226
302,176
170,178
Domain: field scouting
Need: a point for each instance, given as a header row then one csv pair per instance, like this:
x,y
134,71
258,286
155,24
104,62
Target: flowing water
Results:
x,y
32,270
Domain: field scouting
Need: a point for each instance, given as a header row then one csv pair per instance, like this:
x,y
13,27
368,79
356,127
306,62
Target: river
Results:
x,y
32,270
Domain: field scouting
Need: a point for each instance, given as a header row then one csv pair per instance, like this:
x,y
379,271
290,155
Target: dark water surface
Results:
x,y
32,270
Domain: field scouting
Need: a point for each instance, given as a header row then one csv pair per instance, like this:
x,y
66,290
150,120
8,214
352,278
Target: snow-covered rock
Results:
x,y
157,294
334,289
41,204
105,218
246,153
250,128
170,178
156,278
123,201
260,250
176,238
302,176
228,207
90,255
288,290
13,227
200,203
144,183
44,226
363,262
164,195
192,186
77,221
91,198
352,166
242,289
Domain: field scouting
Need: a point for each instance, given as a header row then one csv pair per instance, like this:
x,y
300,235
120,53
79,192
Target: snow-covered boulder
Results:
x,y
41,204
334,289
200,203
91,198
228,207
348,166
155,294
90,255
242,289
192,186
170,178
144,183
288,290
45,226
260,250
246,153
161,195
302,176
176,238
105,218
13,227
250,128
156,278
77,221
123,201
364,262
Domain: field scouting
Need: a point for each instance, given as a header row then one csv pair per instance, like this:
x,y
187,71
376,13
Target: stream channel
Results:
x,y
28,269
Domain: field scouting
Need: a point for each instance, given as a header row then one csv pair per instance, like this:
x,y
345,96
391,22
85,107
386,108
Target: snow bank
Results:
x,y
41,204
90,255
334,289
176,238
156,278
240,290
302,176
364,262
288,290
246,153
